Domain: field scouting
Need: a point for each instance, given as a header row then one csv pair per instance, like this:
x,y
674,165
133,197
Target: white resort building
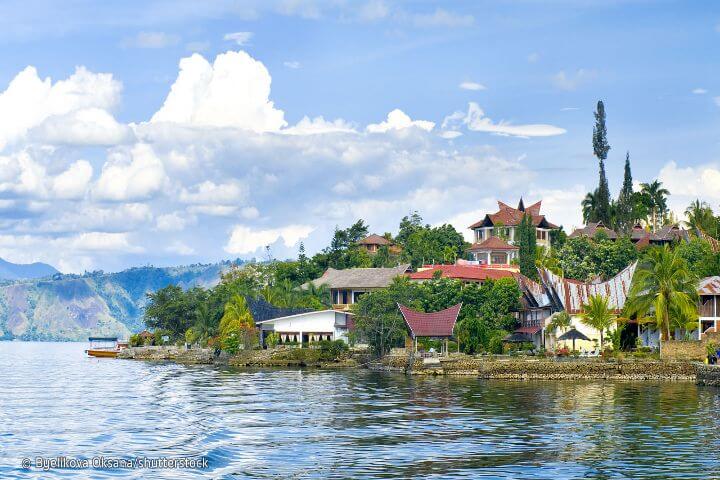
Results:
x,y
308,327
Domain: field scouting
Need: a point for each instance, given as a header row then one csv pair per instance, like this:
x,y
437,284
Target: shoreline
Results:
x,y
512,368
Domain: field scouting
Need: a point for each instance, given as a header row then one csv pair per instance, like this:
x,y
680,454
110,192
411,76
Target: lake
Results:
x,y
55,402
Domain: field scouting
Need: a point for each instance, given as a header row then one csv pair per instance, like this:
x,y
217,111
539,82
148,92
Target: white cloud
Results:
x,y
344,188
474,86
450,134
699,91
476,120
294,64
245,240
572,81
533,57
717,101
135,175
442,18
28,100
89,126
174,221
241,38
318,125
180,248
102,242
373,10
232,92
210,193
399,120
152,40
249,213
73,182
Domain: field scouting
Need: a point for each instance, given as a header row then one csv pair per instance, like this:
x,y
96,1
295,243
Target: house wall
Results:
x,y
581,345
327,321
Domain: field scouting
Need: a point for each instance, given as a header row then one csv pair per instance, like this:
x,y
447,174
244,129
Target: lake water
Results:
x,y
55,402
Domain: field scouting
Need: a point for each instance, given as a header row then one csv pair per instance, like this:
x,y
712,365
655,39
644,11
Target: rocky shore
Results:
x,y
524,368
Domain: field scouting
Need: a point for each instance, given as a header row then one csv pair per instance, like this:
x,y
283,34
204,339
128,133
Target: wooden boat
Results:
x,y
105,347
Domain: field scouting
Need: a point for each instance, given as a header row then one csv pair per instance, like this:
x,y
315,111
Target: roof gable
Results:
x,y
435,324
360,277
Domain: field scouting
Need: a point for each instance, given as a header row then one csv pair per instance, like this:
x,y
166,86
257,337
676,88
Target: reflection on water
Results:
x,y
351,424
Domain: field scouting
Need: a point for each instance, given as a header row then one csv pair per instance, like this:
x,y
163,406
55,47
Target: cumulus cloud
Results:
x,y
474,119
73,182
29,101
233,91
399,120
469,85
89,126
308,126
136,174
241,38
174,221
245,240
219,197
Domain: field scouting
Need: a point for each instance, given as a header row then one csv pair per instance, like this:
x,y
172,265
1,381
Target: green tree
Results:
x,y
600,149
560,321
590,207
656,197
237,325
625,202
526,239
173,309
663,284
597,314
408,225
700,218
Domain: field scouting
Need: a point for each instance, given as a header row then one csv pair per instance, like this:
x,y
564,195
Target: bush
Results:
x,y
331,350
272,339
495,344
135,341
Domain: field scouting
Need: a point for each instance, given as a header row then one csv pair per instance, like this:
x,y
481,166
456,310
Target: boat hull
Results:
x,y
101,353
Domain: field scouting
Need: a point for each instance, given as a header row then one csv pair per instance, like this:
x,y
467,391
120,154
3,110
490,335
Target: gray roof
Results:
x,y
360,277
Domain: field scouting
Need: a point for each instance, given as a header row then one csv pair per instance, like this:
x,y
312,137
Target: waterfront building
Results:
x,y
347,286
503,224
435,325
709,306
308,327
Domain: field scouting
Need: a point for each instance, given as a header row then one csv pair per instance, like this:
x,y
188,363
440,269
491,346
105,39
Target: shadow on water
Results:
x,y
346,424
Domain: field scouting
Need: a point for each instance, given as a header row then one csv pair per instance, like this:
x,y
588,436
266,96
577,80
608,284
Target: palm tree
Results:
x,y
589,206
598,315
700,218
657,196
664,284
321,292
561,321
204,321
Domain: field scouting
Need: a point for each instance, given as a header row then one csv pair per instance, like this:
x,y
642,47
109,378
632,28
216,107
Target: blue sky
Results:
x,y
104,167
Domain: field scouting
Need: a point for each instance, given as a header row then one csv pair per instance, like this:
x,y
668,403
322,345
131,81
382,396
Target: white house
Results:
x,y
308,327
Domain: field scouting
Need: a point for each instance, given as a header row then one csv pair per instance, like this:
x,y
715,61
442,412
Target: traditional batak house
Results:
x,y
435,325
571,295
347,286
536,310
709,308
494,236
638,235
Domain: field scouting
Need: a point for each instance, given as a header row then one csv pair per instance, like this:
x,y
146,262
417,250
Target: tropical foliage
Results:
x,y
598,314
666,289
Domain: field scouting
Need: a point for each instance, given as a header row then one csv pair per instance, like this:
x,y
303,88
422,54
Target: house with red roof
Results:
x,y
502,225
465,273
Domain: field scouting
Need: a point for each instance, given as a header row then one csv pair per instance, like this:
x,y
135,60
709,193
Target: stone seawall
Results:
x,y
176,354
512,368
708,375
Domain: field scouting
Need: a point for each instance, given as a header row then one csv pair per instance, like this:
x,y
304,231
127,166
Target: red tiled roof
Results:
x,y
436,324
709,286
474,273
493,243
374,240
512,217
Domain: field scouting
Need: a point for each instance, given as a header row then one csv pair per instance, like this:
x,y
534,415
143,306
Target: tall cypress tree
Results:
x,y
600,148
528,251
625,200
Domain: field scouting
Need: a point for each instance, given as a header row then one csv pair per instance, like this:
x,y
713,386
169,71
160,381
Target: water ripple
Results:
x,y
355,424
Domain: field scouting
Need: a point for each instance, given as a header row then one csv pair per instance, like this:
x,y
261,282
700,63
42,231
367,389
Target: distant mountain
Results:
x,y
19,271
73,307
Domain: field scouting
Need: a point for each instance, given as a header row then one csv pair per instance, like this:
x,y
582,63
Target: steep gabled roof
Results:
x,y
435,324
511,217
492,243
375,240
592,229
359,277
709,286
671,232
571,295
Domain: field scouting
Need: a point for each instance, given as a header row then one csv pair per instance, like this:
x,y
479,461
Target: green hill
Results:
x,y
73,307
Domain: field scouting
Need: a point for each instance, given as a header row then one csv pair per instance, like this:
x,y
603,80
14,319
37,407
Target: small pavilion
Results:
x,y
431,325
